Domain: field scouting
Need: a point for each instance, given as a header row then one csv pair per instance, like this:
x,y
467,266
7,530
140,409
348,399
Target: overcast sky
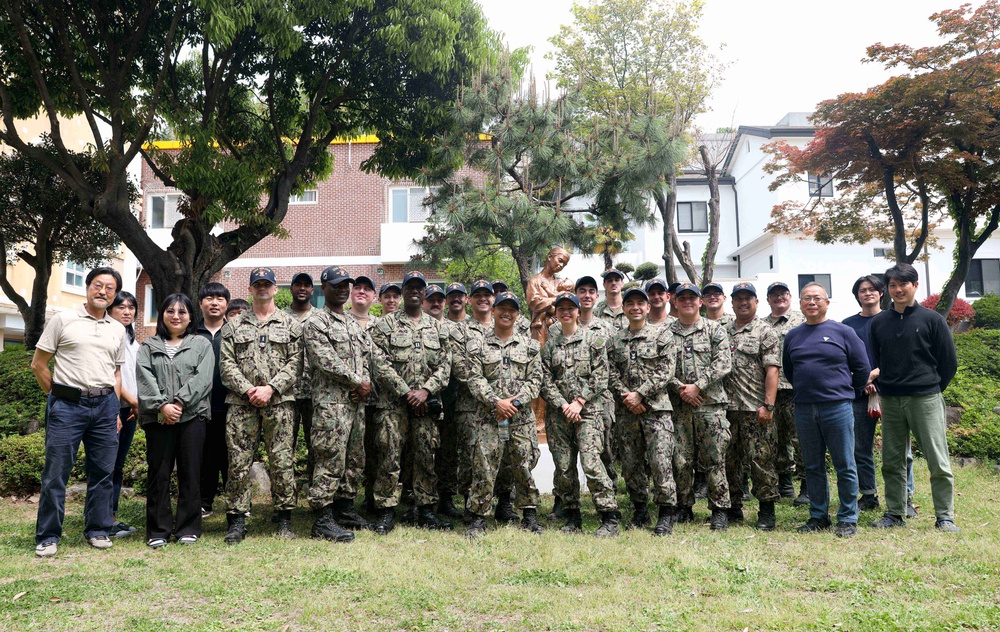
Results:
x,y
783,55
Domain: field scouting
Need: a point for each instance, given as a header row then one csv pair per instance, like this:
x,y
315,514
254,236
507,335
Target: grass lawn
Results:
x,y
910,579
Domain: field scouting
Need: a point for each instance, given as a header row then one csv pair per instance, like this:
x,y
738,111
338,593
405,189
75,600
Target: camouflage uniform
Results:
x,y
407,355
258,353
643,362
338,353
755,347
703,359
789,456
446,460
574,367
500,369
462,335
616,319
370,447
726,319
303,399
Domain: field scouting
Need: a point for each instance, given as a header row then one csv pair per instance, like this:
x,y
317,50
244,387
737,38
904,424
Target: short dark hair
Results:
x,y
237,303
96,272
123,297
902,272
213,289
876,284
161,326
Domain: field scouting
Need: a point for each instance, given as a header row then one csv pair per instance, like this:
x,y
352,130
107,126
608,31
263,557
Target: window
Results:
x,y
692,217
882,253
163,211
822,279
983,277
770,262
820,185
151,311
407,204
76,275
309,196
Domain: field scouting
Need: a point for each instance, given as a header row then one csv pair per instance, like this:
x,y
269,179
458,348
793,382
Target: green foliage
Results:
x,y
283,298
646,271
489,264
627,268
21,399
376,309
987,311
21,462
976,389
979,353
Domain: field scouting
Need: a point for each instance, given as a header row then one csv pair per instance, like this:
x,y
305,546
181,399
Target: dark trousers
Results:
x,y
92,420
304,417
125,436
167,445
214,458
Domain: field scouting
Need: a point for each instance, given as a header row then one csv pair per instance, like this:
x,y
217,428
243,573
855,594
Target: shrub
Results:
x,y
20,398
646,271
979,433
987,312
627,268
21,462
282,299
961,311
979,352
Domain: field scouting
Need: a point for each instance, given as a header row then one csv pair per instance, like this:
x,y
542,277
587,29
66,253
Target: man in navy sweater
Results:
x,y
827,365
916,358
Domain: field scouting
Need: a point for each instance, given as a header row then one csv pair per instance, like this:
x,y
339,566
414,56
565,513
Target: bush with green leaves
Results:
x,y
976,390
21,462
987,312
21,399
646,271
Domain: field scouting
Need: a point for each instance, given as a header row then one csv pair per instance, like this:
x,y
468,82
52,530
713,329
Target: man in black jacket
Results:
x,y
916,357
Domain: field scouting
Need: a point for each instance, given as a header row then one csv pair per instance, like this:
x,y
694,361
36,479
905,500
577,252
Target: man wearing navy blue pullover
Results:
x,y
916,358
827,365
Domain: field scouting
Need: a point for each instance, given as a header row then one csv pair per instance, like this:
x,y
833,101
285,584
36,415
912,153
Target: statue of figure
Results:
x,y
541,293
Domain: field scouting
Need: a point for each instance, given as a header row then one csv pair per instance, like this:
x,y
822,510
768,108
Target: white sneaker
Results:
x,y
100,542
187,539
47,548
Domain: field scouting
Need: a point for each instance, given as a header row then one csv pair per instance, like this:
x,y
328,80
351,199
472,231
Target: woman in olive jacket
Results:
x,y
174,373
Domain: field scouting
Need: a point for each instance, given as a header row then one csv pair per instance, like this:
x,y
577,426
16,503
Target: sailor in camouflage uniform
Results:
x,y
523,324
446,462
338,352
260,362
411,364
505,374
613,281
704,359
714,298
752,387
302,309
659,303
574,380
789,458
642,363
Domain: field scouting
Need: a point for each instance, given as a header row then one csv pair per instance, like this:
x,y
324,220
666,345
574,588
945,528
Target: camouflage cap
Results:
x,y
432,290
567,296
672,288
507,297
650,284
334,275
389,286
612,272
262,274
416,275
585,280
744,287
455,287
635,291
481,285
687,287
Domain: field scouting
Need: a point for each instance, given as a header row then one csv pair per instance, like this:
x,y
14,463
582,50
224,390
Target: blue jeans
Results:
x,y
124,443
92,420
864,450
822,426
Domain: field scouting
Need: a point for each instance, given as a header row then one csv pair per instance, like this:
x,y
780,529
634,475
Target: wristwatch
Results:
x,y
769,407
517,404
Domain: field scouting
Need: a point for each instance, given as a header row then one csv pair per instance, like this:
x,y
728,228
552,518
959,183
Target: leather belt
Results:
x,y
100,391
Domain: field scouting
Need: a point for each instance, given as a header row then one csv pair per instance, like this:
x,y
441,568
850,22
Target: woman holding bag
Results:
x,y
174,374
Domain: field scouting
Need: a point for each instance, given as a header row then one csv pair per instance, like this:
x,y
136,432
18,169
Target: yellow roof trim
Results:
x,y
368,139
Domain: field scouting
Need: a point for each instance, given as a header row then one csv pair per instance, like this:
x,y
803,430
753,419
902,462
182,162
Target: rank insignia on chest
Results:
x,y
263,339
416,345
506,361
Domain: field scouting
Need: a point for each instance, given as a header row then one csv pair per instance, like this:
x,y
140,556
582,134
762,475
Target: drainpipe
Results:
x,y
736,200
927,274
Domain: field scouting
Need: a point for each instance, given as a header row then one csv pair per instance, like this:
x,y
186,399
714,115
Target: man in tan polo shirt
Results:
x,y
89,349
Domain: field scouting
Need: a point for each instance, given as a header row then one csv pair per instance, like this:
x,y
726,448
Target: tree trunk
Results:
x,y
965,250
666,203
34,315
609,260
714,216
523,262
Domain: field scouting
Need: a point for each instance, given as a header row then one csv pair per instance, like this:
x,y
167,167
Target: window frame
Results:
x,y
691,204
818,188
150,312
409,189
976,275
297,198
77,270
828,286
149,210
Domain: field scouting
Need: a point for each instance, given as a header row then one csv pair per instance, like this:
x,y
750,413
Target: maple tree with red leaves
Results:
x,y
915,152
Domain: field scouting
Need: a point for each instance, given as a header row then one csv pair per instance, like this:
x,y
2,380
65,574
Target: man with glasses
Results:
x,y
827,365
789,458
714,298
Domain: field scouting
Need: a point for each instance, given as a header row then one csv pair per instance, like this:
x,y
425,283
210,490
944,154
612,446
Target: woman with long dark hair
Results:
x,y
174,374
123,309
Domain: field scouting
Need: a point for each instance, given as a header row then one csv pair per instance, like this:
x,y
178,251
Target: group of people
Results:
x,y
433,400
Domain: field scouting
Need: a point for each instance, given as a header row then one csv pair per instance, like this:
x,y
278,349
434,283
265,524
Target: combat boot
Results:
x,y
477,527
505,514
803,498
285,525
530,521
719,522
345,515
684,514
766,520
326,527
557,512
735,515
700,485
665,521
427,519
786,488
386,520
236,528
446,507
640,516
409,516
574,521
609,524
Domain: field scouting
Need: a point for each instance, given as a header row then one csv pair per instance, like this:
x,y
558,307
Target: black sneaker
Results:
x,y
944,524
815,524
868,502
888,521
803,498
846,529
911,511
121,530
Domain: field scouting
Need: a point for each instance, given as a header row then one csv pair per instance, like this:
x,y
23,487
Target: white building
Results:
x,y
748,252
